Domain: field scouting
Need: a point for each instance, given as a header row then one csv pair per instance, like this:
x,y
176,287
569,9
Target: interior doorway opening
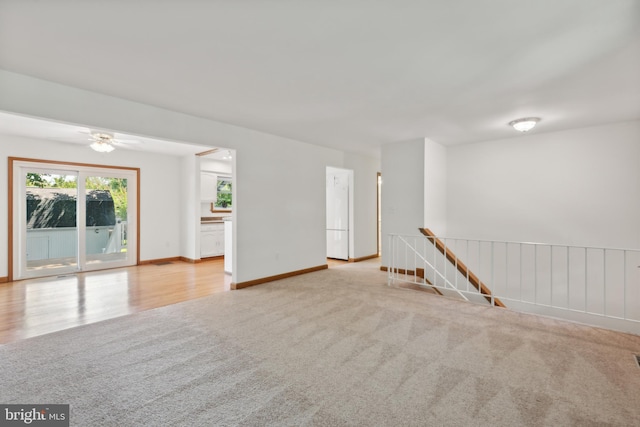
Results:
x,y
216,208
339,213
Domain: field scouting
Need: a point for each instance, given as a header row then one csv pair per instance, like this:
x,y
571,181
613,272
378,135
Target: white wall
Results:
x,y
190,207
279,210
159,183
402,190
435,187
579,187
279,197
365,203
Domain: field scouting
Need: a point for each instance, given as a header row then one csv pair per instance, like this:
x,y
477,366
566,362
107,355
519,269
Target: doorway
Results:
x,y
379,211
67,218
216,205
339,213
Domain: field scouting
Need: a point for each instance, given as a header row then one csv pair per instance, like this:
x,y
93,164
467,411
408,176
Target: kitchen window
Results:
x,y
223,193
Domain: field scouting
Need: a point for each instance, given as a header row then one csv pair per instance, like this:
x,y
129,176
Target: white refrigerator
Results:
x,y
338,215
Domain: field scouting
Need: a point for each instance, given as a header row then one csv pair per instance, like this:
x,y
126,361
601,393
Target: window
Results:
x,y
223,193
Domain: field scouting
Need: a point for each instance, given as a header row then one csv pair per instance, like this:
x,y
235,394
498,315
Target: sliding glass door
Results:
x,y
70,218
49,228
106,219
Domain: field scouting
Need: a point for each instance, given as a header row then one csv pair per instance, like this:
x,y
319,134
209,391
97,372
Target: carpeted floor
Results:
x,y
331,348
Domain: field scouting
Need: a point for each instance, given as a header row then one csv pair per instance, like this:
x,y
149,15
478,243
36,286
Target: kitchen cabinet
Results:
x,y
208,186
211,240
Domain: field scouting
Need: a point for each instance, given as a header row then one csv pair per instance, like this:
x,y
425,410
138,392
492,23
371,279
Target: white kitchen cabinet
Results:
x,y
208,186
211,240
228,248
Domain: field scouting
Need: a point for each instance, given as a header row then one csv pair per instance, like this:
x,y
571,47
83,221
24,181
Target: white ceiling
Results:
x,y
11,124
344,74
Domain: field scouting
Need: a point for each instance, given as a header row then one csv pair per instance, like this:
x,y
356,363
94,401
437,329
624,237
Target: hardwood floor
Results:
x,y
332,262
29,308
39,306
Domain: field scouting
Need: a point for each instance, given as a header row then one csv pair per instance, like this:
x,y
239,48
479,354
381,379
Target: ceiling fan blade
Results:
x,y
125,141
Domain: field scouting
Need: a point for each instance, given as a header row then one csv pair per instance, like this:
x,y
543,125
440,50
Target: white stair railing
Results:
x,y
598,286
447,283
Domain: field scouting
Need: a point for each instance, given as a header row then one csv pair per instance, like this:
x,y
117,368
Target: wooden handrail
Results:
x,y
462,268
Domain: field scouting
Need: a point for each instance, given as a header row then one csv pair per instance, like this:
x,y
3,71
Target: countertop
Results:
x,y
210,219
214,219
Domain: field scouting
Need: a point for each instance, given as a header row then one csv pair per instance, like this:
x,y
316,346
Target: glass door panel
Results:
x,y
69,220
51,226
106,219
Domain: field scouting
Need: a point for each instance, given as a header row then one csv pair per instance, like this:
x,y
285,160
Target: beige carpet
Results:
x,y
331,348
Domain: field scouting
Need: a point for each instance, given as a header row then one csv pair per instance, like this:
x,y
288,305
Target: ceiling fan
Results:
x,y
105,142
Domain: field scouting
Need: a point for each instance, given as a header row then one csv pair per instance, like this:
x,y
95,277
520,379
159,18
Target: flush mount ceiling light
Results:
x,y
102,142
524,125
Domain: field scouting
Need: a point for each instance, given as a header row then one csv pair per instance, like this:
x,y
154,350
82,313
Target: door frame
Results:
x,y
378,213
62,164
350,205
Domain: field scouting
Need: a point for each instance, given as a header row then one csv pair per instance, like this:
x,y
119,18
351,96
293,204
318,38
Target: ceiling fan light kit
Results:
x,y
102,147
102,142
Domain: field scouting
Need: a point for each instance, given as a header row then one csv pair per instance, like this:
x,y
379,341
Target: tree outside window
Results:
x,y
116,186
223,191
